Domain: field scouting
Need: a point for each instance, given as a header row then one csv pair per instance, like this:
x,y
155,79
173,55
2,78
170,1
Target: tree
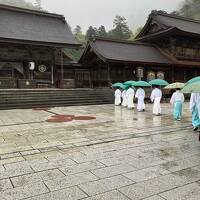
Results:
x,y
121,29
137,31
79,34
189,9
91,32
38,4
102,31
19,3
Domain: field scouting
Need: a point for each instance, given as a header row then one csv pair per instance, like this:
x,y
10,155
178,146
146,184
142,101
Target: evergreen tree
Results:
x,y
19,3
121,29
91,32
189,9
102,31
79,34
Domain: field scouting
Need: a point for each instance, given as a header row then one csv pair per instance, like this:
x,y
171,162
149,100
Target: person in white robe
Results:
x,y
124,98
177,101
140,95
118,95
130,98
156,96
195,109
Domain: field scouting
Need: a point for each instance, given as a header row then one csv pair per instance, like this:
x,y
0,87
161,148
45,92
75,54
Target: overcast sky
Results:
x,y
102,12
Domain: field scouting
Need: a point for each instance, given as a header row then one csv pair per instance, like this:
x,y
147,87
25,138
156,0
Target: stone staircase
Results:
x,y
37,98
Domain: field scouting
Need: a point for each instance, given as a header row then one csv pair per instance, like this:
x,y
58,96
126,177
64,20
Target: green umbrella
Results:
x,y
193,80
141,84
175,85
190,88
121,85
159,82
129,82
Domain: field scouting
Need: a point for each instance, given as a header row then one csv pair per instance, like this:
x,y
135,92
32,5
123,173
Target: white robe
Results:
x,y
118,97
124,97
195,101
140,95
156,96
130,98
177,96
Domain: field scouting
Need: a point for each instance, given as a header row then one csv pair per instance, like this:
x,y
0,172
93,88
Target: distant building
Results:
x,y
168,47
31,48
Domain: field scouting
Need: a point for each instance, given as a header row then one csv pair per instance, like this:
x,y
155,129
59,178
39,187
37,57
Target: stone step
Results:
x,y
11,99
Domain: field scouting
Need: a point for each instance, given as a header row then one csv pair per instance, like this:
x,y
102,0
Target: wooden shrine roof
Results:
x,y
113,50
169,22
26,26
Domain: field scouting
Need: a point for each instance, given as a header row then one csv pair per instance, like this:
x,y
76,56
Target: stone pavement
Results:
x,y
120,155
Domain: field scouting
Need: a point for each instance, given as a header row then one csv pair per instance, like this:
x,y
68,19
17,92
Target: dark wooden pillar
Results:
x,y
185,75
62,70
109,78
173,78
99,74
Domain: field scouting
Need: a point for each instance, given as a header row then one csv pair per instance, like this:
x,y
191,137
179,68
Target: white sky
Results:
x,y
102,12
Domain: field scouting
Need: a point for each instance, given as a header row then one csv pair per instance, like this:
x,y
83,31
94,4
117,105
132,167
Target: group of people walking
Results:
x,y
126,98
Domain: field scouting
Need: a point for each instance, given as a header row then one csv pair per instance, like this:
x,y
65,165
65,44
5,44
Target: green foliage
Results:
x,y
121,29
79,34
189,9
137,31
74,54
101,32
19,3
91,32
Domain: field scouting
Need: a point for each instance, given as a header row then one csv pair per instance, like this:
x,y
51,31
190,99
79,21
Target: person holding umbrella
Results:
x,y
177,101
124,97
155,97
140,95
193,87
156,94
195,109
118,94
130,97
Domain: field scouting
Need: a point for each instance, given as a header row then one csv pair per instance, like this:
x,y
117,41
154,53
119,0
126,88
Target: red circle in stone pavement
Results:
x,y
60,118
84,118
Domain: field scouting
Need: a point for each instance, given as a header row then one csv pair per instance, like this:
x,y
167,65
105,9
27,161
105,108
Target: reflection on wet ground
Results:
x,y
98,152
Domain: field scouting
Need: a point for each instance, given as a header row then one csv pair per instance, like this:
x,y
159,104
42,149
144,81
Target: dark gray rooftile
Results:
x,y
19,24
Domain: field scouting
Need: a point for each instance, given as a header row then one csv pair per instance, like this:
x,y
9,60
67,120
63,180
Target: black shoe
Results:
x,y
195,129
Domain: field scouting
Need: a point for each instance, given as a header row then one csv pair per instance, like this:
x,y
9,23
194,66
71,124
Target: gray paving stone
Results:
x,y
188,192
25,153
70,180
5,184
15,172
113,170
24,192
112,195
153,186
10,155
52,164
156,197
36,177
78,168
117,160
147,173
104,185
73,193
174,166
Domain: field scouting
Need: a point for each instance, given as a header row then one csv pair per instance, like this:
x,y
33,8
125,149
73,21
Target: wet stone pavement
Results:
x,y
120,155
